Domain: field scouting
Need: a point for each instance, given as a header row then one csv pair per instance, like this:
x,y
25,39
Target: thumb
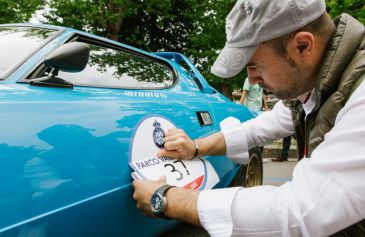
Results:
x,y
161,153
162,178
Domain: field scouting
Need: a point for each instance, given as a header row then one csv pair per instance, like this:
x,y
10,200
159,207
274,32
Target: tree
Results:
x,y
192,27
355,8
17,11
101,17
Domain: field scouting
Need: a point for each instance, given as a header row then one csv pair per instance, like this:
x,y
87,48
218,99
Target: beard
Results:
x,y
298,80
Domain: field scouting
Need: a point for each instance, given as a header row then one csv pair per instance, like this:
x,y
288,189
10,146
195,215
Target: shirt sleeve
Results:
x,y
264,129
246,85
325,195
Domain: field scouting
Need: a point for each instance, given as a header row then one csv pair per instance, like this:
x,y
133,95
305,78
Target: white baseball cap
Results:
x,y
252,22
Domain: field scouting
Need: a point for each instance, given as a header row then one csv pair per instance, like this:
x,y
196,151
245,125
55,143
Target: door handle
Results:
x,y
204,118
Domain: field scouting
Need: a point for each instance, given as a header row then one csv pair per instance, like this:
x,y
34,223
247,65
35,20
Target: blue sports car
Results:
x,y
70,105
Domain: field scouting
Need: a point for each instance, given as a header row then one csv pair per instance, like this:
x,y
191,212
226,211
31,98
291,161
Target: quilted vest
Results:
x,y
342,70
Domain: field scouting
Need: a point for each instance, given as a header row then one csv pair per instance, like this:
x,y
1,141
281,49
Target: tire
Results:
x,y
250,175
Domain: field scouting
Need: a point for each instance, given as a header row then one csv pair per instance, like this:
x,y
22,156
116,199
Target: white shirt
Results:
x,y
326,194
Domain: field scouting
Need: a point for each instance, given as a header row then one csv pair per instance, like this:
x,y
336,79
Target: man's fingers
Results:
x,y
161,153
175,132
171,132
143,190
134,183
173,145
165,153
170,138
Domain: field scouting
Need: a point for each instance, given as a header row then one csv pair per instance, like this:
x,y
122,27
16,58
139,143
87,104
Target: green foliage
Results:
x,y
124,65
17,11
104,17
355,8
192,27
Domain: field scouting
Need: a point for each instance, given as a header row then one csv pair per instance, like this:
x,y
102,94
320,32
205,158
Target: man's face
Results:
x,y
279,74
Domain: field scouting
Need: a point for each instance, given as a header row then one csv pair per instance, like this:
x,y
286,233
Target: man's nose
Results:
x,y
253,76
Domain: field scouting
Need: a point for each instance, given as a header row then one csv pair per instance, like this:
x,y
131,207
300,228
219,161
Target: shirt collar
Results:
x,y
308,101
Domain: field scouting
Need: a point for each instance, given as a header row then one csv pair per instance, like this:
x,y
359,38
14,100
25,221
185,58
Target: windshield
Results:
x,y
17,43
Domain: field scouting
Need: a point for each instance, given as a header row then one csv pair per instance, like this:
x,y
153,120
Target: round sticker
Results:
x,y
147,141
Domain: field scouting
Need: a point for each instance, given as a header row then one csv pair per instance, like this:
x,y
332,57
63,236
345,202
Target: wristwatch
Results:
x,y
158,201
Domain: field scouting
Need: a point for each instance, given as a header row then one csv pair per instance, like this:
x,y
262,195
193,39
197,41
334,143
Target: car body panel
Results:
x,y
64,152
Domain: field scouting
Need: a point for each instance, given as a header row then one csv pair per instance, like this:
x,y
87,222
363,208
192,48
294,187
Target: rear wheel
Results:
x,y
250,175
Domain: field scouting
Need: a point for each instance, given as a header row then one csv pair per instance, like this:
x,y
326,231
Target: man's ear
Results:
x,y
301,46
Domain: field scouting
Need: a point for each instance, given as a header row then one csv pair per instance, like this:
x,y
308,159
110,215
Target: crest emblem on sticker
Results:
x,y
158,134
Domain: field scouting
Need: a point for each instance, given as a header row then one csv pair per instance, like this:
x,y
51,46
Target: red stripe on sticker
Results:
x,y
195,184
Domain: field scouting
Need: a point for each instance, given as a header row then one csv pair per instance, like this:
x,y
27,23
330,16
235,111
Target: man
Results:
x,y
252,96
294,50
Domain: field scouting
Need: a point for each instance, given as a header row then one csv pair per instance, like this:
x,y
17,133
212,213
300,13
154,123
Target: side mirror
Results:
x,y
70,57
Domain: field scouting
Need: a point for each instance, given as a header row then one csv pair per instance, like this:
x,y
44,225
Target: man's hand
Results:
x,y
182,204
143,190
178,145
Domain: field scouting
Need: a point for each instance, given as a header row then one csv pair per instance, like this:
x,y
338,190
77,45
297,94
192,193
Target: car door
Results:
x,y
75,143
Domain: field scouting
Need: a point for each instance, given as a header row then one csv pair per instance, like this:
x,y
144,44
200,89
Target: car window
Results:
x,y
191,74
17,43
109,67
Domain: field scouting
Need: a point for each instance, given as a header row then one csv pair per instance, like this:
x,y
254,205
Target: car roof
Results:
x,y
53,27
84,33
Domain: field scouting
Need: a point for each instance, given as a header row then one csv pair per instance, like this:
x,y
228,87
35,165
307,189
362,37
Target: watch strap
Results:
x,y
163,189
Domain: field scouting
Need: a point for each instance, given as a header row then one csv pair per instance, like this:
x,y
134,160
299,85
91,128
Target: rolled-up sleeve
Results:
x,y
264,129
214,208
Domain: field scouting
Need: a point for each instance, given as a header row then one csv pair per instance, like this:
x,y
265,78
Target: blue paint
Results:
x,y
64,152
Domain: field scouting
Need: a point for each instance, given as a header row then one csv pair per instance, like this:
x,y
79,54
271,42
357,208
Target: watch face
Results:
x,y
157,203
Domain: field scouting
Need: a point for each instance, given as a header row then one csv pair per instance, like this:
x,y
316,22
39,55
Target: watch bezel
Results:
x,y
163,203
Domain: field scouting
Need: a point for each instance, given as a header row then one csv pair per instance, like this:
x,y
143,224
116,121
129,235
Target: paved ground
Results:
x,y
275,173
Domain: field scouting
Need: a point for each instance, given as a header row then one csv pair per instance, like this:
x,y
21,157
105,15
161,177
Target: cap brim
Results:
x,y
231,61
